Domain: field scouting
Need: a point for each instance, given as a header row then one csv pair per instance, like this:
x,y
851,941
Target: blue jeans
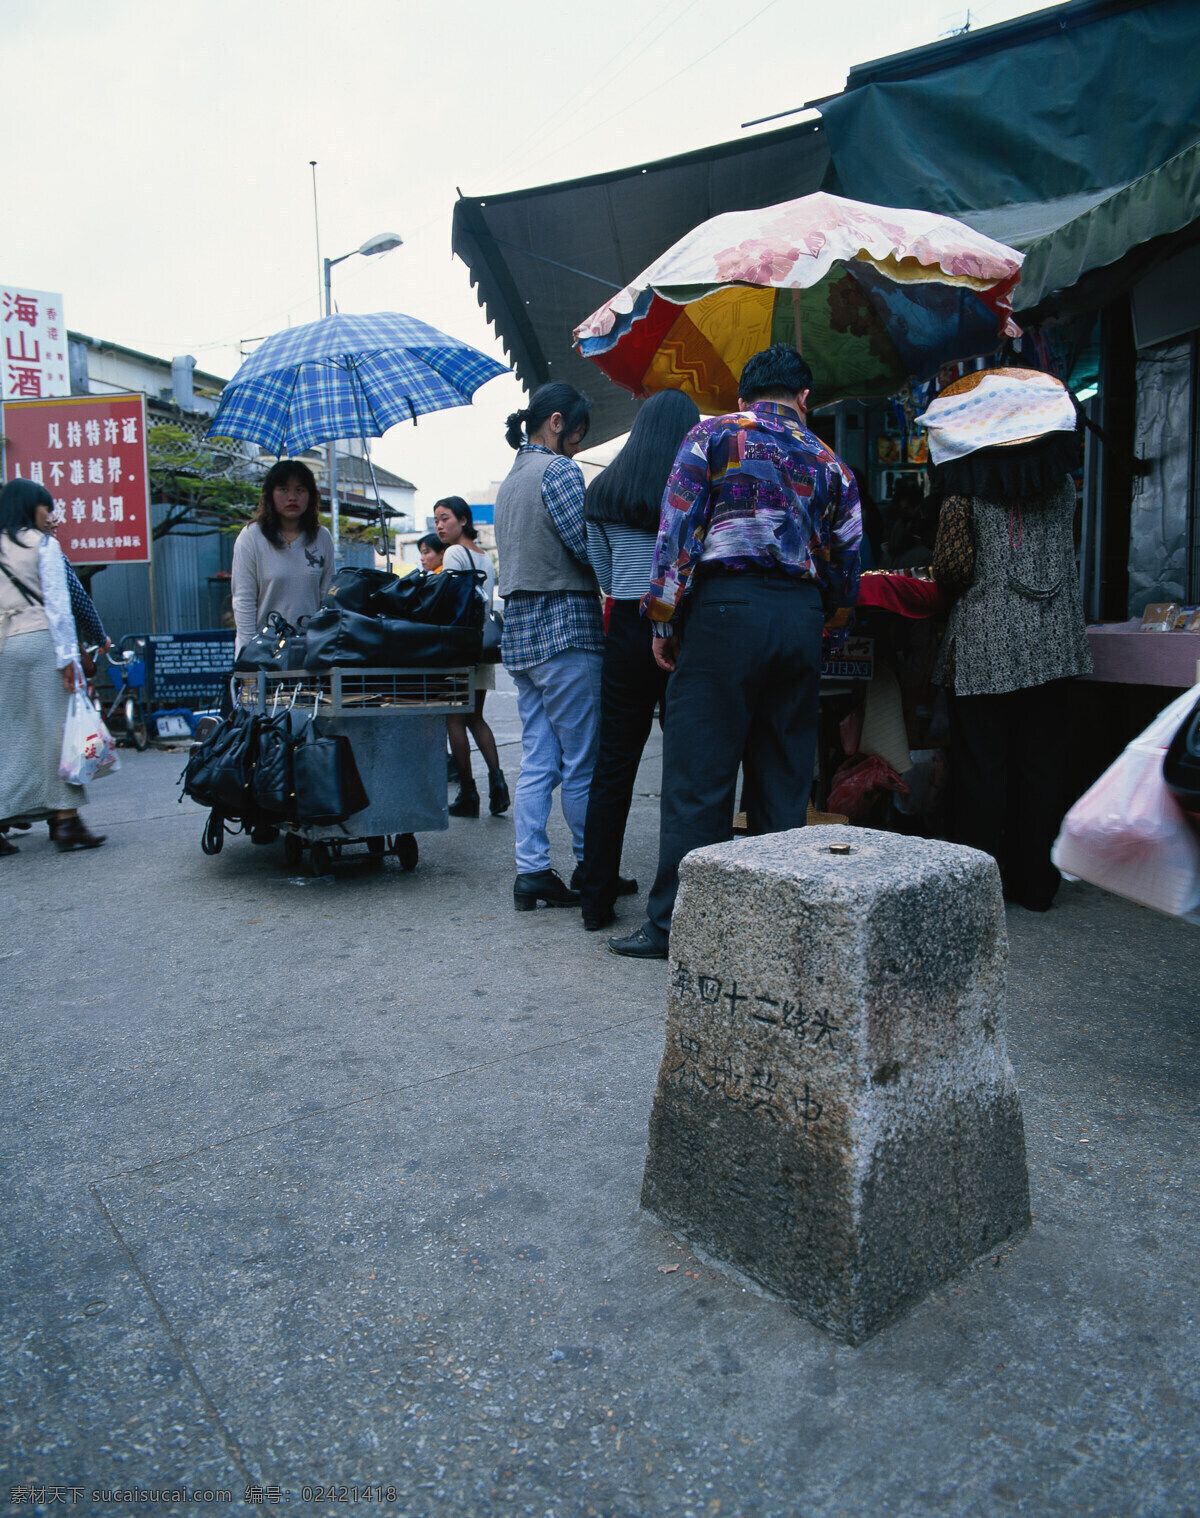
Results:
x,y
559,706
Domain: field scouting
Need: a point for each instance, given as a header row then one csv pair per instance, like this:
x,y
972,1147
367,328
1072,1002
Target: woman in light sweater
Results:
x,y
622,509
283,561
39,668
456,532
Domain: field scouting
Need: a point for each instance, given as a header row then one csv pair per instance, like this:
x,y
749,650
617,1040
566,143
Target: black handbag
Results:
x,y
262,650
338,637
328,785
274,786
442,600
493,631
355,588
220,771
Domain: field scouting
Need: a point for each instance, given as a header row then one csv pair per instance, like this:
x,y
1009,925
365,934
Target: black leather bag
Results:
x,y
493,631
291,651
328,786
344,638
262,650
274,786
443,600
220,771
355,588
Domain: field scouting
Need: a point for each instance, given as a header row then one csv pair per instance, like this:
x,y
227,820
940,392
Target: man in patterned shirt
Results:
x,y
759,531
553,632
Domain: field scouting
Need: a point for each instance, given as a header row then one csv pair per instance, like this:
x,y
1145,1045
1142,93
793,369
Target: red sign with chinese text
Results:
x,y
89,451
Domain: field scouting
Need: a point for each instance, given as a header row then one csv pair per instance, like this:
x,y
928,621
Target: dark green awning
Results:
x,y
1065,239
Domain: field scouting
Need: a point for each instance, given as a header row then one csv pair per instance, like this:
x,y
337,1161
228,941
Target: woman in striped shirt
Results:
x,y
622,508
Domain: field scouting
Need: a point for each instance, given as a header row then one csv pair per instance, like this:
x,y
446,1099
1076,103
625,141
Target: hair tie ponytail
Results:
x,y
514,428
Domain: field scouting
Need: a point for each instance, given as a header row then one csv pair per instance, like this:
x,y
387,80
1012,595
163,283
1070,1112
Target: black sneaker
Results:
x,y
542,885
639,945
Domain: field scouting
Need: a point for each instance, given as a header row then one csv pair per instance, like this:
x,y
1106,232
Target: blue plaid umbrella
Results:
x,y
347,376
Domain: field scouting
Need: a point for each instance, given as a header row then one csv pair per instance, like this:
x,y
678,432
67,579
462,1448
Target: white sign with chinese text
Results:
x,y
33,345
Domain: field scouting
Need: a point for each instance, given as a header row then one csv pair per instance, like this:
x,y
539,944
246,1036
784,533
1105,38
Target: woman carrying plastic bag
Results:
x,y
39,671
1129,835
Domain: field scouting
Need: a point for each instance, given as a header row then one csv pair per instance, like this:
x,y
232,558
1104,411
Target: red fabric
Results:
x,y
855,783
903,594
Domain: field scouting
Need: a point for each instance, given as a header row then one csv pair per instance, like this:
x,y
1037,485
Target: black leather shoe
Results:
x,y
624,887
638,945
595,918
542,885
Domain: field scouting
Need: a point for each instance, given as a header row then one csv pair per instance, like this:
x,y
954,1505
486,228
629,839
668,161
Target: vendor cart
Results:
x,y
395,721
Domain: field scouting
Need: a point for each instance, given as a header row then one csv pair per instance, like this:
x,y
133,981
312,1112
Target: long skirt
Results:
x,y
33,708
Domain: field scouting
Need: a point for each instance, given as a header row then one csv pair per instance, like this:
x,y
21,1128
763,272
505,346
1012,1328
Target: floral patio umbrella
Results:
x,y
872,296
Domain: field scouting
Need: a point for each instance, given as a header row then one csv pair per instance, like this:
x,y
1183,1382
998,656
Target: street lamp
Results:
x,y
382,242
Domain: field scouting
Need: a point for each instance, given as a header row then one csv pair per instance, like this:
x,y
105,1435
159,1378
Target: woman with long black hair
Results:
x,y
39,668
622,508
282,561
1003,443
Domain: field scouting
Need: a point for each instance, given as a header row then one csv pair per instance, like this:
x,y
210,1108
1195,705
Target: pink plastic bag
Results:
x,y
1128,833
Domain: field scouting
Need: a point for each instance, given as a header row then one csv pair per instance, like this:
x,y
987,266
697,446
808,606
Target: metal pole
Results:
x,y
312,163
332,445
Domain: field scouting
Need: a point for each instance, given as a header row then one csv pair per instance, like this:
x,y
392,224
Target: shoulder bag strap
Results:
x,y
30,596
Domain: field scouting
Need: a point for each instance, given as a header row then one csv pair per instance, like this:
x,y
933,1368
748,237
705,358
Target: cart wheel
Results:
x,y
213,840
321,857
377,847
135,725
406,851
293,849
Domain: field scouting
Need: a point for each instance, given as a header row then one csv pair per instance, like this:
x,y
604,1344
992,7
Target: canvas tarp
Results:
x,y
1067,238
1068,101
542,259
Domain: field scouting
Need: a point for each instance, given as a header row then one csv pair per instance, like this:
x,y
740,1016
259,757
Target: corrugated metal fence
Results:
x,y
186,598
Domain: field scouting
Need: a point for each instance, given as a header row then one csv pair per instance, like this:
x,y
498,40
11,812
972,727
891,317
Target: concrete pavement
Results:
x,y
319,1182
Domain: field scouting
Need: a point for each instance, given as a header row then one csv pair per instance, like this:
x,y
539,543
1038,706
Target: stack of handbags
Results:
x,y
373,620
275,769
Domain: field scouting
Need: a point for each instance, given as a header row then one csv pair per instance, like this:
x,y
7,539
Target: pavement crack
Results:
x,y
180,1348
366,1101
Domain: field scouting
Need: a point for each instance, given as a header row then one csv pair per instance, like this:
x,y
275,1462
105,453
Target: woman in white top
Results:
x,y
455,527
283,561
39,668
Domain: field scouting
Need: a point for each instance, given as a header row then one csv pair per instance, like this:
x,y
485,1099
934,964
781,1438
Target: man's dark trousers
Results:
x,y
744,692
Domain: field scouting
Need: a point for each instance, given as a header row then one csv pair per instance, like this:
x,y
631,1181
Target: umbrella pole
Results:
x,y
333,503
796,319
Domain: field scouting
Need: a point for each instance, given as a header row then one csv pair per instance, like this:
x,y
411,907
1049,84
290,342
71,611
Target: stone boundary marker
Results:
x,y
836,1114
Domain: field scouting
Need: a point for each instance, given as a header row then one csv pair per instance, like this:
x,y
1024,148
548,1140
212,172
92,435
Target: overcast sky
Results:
x,y
156,165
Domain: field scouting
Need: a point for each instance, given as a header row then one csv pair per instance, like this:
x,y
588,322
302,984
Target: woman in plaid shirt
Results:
x,y
553,633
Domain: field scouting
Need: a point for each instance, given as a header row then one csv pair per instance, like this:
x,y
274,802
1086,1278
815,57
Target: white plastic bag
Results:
x,y
1128,834
88,750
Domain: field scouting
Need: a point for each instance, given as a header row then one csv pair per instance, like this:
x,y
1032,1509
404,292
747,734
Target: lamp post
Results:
x,y
382,242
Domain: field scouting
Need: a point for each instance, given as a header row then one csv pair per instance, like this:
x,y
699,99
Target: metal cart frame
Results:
x,y
394,720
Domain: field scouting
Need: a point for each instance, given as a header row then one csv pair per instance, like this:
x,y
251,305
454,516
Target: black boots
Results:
x,y
499,800
466,803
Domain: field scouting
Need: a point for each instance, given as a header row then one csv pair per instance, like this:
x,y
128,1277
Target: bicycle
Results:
x,y
127,666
